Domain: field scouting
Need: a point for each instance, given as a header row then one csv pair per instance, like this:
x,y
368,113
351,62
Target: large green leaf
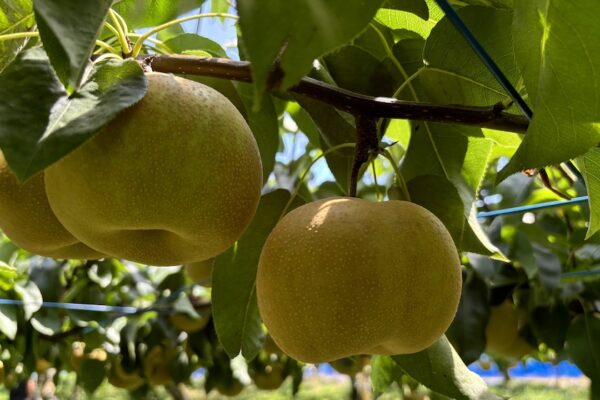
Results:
x,y
335,128
507,4
557,51
264,125
463,78
583,347
438,195
440,368
68,29
589,164
446,151
146,13
467,331
235,311
407,19
296,32
15,16
417,7
39,123
384,371
188,43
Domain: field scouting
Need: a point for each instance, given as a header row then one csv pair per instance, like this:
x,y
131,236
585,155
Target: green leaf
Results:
x,y
235,311
31,296
550,324
384,371
417,7
304,122
583,345
589,165
355,69
440,369
335,128
68,29
549,266
219,6
187,42
446,151
8,320
556,47
47,322
264,125
296,32
8,274
438,195
15,16
39,124
91,374
146,13
507,4
463,78
467,331
397,19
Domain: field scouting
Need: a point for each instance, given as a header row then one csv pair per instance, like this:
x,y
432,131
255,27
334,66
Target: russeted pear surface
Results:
x,y
502,332
27,219
344,276
174,179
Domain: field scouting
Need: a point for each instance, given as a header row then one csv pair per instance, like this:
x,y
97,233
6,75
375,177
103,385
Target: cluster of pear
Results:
x,y
174,179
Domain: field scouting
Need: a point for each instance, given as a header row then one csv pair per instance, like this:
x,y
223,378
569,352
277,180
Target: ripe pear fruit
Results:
x,y
121,378
184,322
156,366
268,376
201,271
344,276
27,219
502,332
174,179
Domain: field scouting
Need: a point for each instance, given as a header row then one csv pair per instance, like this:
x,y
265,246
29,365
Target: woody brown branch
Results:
x,y
376,107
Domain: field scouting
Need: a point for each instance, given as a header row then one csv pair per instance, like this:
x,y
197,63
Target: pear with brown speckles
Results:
x,y
172,180
27,219
344,276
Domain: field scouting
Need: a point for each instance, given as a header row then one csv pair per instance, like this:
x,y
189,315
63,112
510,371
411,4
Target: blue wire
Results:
x,y
532,207
485,57
77,306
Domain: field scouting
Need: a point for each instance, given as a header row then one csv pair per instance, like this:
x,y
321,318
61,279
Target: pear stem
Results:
x,y
367,144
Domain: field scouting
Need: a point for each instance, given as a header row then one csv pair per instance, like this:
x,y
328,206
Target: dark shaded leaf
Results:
x,y
467,331
68,29
235,311
297,32
440,368
39,123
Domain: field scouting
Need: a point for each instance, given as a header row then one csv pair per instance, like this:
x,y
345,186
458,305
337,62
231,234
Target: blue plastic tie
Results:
x,y
532,207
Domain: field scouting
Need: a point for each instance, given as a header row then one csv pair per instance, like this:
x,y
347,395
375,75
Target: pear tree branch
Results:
x,y
365,109
493,117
